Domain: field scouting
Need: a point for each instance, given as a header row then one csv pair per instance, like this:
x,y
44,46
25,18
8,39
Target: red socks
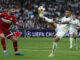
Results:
x,y
15,46
3,44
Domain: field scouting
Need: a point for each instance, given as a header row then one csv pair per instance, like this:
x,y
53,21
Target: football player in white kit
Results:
x,y
73,30
62,29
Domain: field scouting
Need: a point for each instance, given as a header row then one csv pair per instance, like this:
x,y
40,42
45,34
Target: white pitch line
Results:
x,y
44,50
32,50
38,47
49,50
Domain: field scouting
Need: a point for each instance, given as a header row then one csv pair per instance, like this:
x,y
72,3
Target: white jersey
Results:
x,y
74,23
64,28
73,26
61,29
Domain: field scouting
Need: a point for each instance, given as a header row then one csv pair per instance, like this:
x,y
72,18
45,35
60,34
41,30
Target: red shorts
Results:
x,y
6,32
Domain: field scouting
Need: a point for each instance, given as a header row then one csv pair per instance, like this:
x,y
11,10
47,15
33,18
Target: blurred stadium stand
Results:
x,y
27,11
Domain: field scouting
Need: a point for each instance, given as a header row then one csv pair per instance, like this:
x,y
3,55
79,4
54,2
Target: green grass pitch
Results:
x,y
40,48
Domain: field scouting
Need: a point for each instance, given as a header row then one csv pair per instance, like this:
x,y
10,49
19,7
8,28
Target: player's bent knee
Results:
x,y
57,39
15,40
2,36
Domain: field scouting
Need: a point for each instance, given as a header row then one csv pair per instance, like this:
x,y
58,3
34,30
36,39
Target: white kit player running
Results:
x,y
73,30
62,29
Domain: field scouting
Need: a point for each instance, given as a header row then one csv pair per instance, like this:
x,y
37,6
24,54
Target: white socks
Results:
x,y
54,47
71,41
5,51
75,44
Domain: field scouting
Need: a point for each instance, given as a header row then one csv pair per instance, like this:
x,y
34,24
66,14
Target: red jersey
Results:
x,y
6,20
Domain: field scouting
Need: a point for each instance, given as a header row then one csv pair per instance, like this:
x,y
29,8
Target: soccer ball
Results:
x,y
41,8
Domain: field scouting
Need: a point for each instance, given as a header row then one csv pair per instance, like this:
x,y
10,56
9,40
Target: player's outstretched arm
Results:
x,y
51,21
48,20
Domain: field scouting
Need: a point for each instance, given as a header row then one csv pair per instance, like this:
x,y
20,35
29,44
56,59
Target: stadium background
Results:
x,y
27,12
39,48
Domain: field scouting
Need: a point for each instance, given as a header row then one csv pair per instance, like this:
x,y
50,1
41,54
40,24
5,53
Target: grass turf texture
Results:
x,y
40,48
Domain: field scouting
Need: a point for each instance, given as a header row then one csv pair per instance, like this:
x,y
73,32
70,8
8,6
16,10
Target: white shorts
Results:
x,y
73,31
57,28
62,32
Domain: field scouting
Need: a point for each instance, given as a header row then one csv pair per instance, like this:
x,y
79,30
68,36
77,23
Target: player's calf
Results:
x,y
15,46
75,44
71,40
56,39
3,44
54,46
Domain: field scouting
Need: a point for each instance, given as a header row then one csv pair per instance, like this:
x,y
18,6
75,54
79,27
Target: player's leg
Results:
x,y
10,36
71,40
15,45
75,39
60,33
75,44
3,43
54,46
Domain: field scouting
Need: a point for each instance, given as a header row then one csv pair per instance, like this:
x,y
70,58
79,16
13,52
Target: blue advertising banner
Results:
x,y
42,33
39,33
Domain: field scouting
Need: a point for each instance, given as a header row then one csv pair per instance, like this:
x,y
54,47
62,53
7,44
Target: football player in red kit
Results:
x,y
6,19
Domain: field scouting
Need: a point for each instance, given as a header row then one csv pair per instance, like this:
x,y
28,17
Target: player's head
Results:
x,y
11,11
68,13
74,16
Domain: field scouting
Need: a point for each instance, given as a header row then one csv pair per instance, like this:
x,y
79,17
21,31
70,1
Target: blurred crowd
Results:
x,y
27,11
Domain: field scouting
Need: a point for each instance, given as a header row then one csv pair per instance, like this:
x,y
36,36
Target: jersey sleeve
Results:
x,y
78,23
14,20
48,20
1,14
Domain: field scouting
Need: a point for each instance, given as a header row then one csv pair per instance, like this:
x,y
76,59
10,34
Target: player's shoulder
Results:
x,y
69,18
66,17
4,13
77,20
13,16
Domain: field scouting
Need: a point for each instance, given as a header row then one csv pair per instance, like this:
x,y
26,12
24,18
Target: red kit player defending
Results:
x,y
6,19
